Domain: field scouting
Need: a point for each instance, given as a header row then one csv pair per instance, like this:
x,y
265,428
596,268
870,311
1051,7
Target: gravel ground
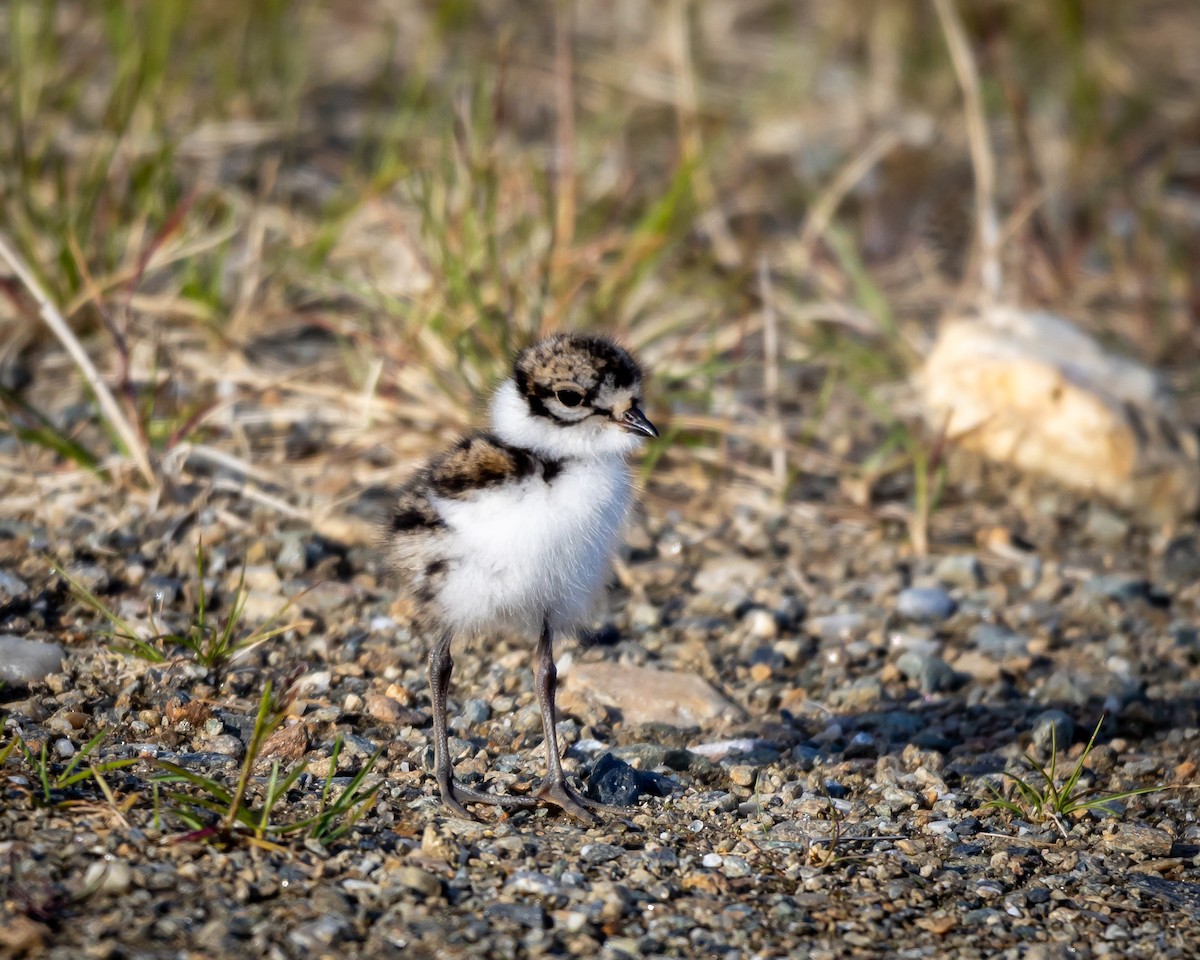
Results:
x,y
829,803
297,244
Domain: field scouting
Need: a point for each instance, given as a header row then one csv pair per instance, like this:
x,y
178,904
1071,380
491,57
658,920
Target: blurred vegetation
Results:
x,y
428,185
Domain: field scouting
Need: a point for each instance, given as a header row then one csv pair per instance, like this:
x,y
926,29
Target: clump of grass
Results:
x,y
211,642
50,780
1046,798
218,814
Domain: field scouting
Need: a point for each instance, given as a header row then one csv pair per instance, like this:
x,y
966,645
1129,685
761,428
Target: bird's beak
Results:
x,y
635,422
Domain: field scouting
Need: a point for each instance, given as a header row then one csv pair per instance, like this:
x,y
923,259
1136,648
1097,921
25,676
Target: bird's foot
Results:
x,y
561,794
458,794
555,793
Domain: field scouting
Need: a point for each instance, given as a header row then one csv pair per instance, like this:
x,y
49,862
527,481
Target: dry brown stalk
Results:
x,y
983,161
109,407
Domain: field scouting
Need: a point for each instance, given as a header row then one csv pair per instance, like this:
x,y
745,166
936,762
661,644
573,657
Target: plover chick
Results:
x,y
516,527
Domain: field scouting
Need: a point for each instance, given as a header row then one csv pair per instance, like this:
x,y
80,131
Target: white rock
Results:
x,y
108,876
1029,389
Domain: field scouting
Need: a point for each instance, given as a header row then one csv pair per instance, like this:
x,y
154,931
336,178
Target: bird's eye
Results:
x,y
569,398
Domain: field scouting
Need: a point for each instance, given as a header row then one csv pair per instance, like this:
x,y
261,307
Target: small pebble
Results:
x,y
226,744
838,626
989,888
529,881
315,684
743,774
475,711
23,662
600,852
1139,838
735,867
315,935
264,578
421,881
997,641
1122,588
1106,527
108,876
11,586
529,915
763,625
1053,730
925,604
933,674
959,570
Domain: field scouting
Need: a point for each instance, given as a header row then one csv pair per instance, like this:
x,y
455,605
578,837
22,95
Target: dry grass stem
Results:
x,y
983,161
54,320
779,466
565,146
691,145
827,202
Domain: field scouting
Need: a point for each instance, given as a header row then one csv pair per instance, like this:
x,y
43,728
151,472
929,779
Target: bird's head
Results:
x,y
572,395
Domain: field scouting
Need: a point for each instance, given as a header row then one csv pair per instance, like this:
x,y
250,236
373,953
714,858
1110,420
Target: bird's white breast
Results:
x,y
521,551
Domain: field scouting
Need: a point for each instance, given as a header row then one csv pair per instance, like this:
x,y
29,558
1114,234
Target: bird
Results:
x,y
514,527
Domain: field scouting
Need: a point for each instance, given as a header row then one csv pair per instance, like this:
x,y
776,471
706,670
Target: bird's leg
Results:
x,y
440,666
554,788
453,793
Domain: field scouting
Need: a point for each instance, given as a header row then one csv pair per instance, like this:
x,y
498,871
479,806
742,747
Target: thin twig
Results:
x,y
687,109
564,103
771,377
825,206
983,162
54,320
374,372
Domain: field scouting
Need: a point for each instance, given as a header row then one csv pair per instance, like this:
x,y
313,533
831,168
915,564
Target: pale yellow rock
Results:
x,y
647,695
1029,389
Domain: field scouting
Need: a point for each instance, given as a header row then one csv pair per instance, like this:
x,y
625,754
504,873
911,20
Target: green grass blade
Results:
x,y
82,753
177,773
64,780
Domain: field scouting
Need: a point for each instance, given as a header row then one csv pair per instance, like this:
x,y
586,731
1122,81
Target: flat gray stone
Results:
x,y
11,585
23,662
647,695
925,604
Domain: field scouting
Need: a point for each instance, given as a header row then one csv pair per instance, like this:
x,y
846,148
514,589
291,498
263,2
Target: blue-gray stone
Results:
x,y
23,662
1181,560
1053,731
11,585
925,604
933,674
997,641
895,726
475,711
1120,587
600,852
528,915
